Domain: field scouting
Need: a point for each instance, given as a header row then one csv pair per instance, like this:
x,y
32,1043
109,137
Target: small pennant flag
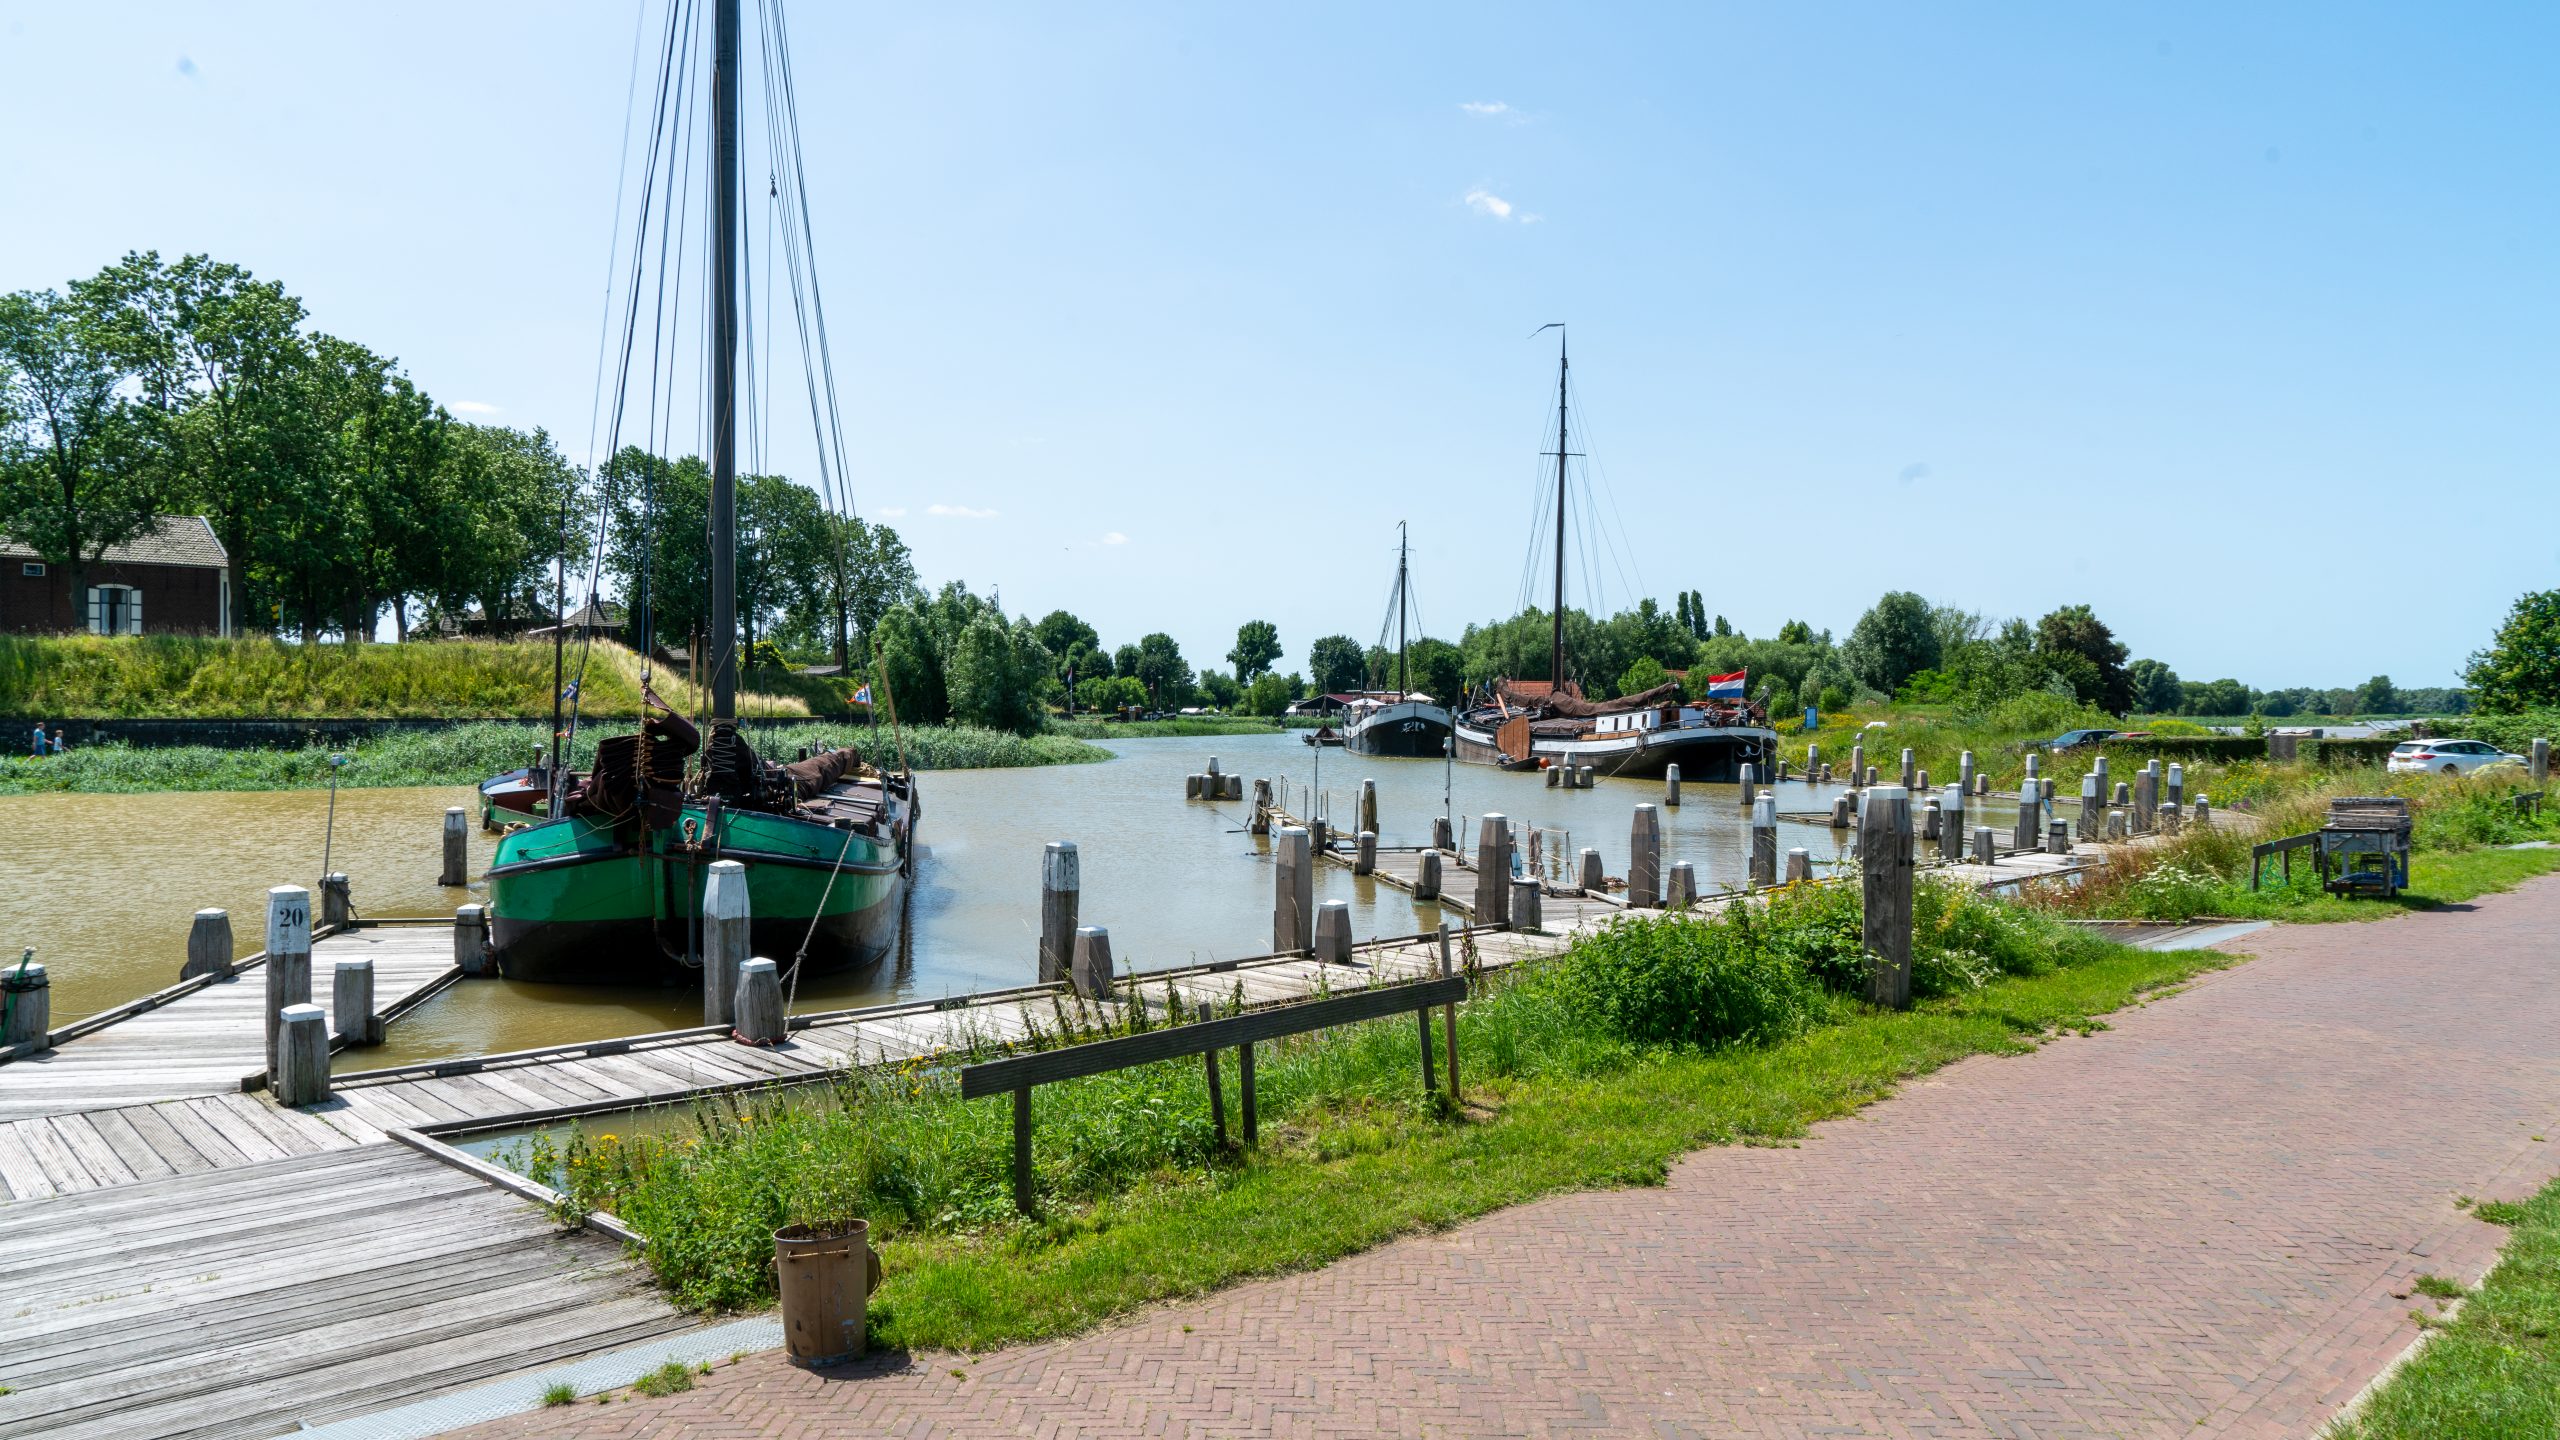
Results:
x,y
1727,687
862,696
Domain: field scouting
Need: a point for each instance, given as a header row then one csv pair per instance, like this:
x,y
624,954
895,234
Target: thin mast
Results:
x,y
1555,655
1404,684
723,638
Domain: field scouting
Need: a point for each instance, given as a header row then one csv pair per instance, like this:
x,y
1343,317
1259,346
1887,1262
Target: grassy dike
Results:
x,y
2493,1371
467,754
1597,1069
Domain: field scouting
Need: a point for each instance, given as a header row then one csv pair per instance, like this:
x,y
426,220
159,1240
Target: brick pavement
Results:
x,y
2189,1225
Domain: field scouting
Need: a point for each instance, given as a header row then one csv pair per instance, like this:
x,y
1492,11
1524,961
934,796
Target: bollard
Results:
x,y
1750,786
2166,818
1443,835
1671,787
1857,763
457,849
1261,822
759,1010
1333,933
1595,880
1061,898
1493,871
1090,971
1982,784
2092,806
1920,786
1782,771
1839,812
337,904
2146,798
2178,786
727,923
1906,770
1826,774
1369,805
1965,771
1426,880
1951,831
1589,774
1644,859
1884,864
1526,911
471,940
2115,826
1684,886
1930,814
1871,775
1364,858
2538,759
1235,787
300,1073
1986,845
2204,812
1812,763
288,964
1191,787
208,945
2121,795
1799,865
2057,838
1555,777
30,998
1293,892
1213,765
1764,841
351,1003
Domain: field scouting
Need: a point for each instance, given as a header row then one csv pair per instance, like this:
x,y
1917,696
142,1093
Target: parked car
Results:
x,y
2074,739
2447,757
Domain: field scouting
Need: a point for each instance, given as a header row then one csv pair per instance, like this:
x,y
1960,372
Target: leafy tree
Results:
x,y
2080,646
1111,692
1894,640
73,468
1517,649
1220,689
1159,666
1795,632
1641,676
1257,648
2377,697
1687,615
993,671
1270,694
2520,669
783,543
511,507
910,662
1336,663
1074,648
865,570
1723,628
657,542
1124,661
2156,688
2217,697
1437,669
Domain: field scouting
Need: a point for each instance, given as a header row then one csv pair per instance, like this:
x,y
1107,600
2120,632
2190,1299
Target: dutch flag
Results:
x,y
1727,687
862,696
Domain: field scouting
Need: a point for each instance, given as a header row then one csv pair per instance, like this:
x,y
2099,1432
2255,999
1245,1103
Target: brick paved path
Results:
x,y
2190,1225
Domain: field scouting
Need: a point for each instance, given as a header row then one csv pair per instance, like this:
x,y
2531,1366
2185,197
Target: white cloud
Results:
x,y
1486,109
1114,537
471,407
1485,202
891,512
959,512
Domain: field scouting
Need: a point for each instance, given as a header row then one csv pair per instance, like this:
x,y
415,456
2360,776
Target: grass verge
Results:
x,y
467,754
2493,1372
1596,1070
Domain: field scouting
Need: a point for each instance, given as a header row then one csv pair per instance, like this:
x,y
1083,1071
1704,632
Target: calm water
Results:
x,y
106,884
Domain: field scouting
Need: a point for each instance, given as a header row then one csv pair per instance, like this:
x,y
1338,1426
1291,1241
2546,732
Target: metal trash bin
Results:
x,y
825,1276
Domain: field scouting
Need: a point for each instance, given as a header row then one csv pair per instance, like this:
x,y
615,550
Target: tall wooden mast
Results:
x,y
722,641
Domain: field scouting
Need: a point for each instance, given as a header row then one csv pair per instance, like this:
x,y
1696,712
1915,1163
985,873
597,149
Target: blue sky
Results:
x,y
1167,314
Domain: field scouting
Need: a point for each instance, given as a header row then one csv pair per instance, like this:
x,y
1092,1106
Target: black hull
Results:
x,y
629,952
1713,757
1400,742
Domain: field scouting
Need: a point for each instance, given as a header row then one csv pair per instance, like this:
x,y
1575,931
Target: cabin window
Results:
x,y
32,567
115,610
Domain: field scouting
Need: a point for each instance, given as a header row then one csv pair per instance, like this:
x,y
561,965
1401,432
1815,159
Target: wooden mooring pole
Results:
x,y
1061,894
457,849
288,965
726,944
1293,892
1884,862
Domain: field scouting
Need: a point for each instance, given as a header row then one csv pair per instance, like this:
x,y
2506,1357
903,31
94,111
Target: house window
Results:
x,y
32,567
115,610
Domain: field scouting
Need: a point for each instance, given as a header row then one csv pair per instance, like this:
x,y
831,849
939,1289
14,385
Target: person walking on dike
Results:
x,y
60,745
39,737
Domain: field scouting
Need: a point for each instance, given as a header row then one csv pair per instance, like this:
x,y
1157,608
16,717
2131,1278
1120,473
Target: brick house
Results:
x,y
173,579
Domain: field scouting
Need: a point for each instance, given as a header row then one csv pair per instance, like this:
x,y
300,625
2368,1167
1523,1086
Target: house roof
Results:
x,y
173,540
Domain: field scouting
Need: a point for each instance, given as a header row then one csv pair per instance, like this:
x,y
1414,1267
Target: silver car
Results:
x,y
2447,757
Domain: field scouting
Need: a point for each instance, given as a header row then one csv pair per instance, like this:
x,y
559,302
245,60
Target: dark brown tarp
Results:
x,y
813,777
1572,707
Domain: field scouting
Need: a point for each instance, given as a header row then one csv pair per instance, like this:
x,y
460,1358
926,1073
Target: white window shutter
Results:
x,y
133,611
97,617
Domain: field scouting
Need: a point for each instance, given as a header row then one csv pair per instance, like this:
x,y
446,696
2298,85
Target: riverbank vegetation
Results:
x,y
2492,1371
1597,1069
467,754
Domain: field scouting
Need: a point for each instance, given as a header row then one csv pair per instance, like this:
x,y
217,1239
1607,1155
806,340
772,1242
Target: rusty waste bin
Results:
x,y
826,1275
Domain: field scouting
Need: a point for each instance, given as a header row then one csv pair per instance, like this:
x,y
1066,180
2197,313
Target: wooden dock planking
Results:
x,y
250,1301
204,1042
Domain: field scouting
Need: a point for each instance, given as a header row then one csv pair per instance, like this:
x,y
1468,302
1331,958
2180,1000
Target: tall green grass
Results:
x,y
466,754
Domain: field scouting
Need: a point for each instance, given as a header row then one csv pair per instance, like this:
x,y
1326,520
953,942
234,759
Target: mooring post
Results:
x,y
1527,913
457,848
1426,876
2178,786
2204,811
2146,797
1671,787
1293,892
1884,863
1684,886
760,1018
1840,811
1589,774
1799,864
1061,895
1858,765
1921,785
1443,835
1364,859
1595,880
1986,845
1906,769
2167,818
1964,771
1930,814
726,924
1644,859
1369,805
1191,786
1261,822
2116,827
1750,785
288,964
1764,841
1493,870
1555,777
337,904
2057,838
1333,932
1951,831
351,1003
2539,761
300,1075
30,997
1091,972
1812,763
471,940
208,945
2092,806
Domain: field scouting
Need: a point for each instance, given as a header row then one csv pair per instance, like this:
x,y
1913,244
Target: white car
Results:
x,y
2447,757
